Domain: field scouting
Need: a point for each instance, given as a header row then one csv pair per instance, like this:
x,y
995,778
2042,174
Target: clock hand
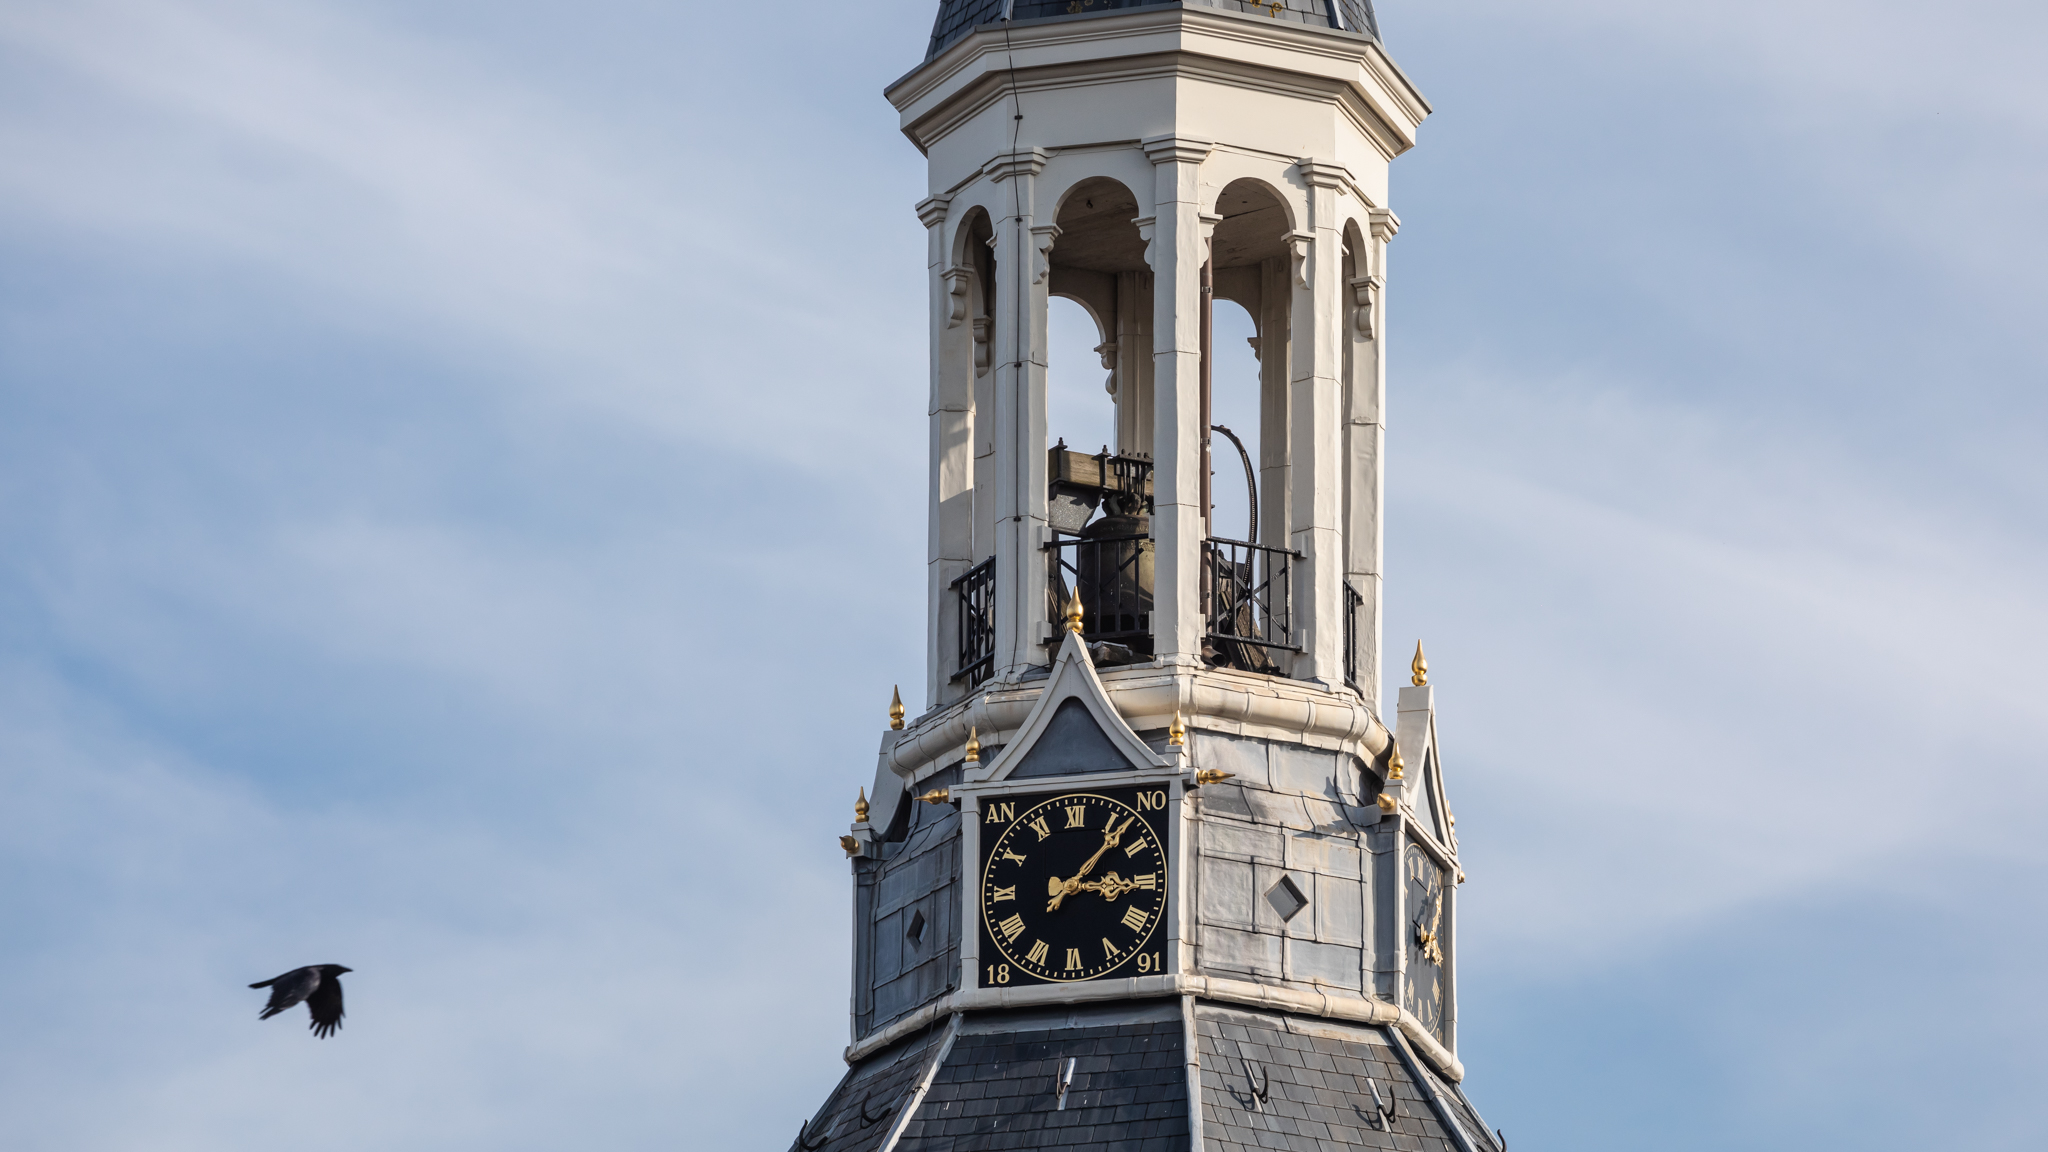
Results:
x,y
1060,889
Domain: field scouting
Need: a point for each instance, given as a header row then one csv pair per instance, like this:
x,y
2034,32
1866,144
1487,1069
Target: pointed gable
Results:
x,y
1073,728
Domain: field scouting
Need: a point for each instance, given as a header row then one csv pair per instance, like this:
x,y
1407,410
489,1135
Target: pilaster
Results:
x,y
950,535
1019,401
1175,250
1316,439
1365,446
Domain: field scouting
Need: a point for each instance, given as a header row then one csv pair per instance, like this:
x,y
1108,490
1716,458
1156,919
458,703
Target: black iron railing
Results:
x,y
1247,604
1114,576
1352,603
976,602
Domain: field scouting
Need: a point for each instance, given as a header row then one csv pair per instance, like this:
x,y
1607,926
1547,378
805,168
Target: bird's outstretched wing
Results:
x,y
325,1006
289,989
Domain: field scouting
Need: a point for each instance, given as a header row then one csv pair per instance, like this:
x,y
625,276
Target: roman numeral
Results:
x,y
1073,959
1137,846
1149,881
1011,928
1077,816
1110,951
1037,953
1039,826
1009,855
1009,893
1134,918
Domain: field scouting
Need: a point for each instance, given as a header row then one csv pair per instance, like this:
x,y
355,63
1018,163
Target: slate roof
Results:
x,y
1129,1092
1274,1082
959,17
879,1084
1268,1081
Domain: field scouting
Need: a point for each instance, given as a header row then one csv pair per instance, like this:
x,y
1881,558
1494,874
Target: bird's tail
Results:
x,y
269,1012
264,983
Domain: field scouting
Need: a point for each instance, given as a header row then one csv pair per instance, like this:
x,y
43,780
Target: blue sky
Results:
x,y
461,506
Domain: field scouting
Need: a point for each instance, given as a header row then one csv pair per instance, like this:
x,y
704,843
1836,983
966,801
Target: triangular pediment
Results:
x,y
1423,790
1073,729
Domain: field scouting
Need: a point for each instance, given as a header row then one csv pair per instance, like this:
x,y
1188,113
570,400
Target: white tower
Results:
x,y
1173,867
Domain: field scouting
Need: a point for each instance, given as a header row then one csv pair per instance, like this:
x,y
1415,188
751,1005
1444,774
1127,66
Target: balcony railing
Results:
x,y
1352,603
1247,604
1114,576
975,599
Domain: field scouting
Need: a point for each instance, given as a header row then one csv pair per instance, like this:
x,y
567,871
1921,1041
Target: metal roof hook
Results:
x,y
867,1120
1066,1080
1388,1108
1502,1137
803,1129
1260,1083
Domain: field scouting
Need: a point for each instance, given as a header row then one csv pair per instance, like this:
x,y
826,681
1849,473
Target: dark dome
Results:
x,y
959,17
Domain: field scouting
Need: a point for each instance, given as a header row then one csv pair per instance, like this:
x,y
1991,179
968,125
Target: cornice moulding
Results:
x,y
1215,700
1300,1002
997,59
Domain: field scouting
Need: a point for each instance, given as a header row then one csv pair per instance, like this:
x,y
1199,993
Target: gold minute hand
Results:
x,y
1060,889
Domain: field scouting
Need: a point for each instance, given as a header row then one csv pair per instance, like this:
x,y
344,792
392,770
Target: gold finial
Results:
x,y
896,708
1419,666
1394,764
1074,610
973,746
1177,733
1212,776
860,808
850,844
1388,803
937,796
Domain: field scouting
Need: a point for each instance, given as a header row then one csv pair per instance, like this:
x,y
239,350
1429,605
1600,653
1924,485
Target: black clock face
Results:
x,y
1073,886
1425,983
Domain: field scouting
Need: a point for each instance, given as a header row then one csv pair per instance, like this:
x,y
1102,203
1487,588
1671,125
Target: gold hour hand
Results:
x,y
1059,889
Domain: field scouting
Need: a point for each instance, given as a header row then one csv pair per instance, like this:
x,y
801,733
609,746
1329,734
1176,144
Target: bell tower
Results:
x,y
1158,864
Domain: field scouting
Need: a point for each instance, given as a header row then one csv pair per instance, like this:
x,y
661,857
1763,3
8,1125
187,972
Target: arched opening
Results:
x,y
1099,417
1247,567
1234,413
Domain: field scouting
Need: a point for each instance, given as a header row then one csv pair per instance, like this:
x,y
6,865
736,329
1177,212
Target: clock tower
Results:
x,y
1159,864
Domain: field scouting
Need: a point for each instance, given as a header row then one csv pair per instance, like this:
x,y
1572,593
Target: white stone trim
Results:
x,y
1329,1006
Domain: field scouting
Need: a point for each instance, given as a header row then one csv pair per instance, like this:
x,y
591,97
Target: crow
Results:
x,y
319,985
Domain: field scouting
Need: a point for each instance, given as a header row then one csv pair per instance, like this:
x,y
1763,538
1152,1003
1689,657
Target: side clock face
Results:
x,y
1425,930
1073,886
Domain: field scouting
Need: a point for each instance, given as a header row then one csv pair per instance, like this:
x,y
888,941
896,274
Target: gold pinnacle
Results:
x,y
896,707
1212,776
1388,803
937,796
973,747
1074,610
860,808
1394,764
1419,666
1177,733
850,844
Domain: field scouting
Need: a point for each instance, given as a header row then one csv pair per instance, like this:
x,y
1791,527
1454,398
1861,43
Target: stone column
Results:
x,y
1316,469
1019,403
949,547
1365,449
1175,248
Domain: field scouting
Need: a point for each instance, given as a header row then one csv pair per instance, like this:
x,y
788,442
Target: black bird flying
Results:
x,y
319,985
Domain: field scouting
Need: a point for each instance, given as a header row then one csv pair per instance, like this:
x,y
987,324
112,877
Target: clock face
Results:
x,y
1073,886
1425,984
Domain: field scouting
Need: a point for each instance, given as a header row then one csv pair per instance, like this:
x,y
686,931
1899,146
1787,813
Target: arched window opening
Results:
x,y
1247,567
1099,417
1234,409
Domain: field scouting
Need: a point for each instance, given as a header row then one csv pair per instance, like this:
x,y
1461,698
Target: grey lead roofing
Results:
x,y
959,17
1268,1081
